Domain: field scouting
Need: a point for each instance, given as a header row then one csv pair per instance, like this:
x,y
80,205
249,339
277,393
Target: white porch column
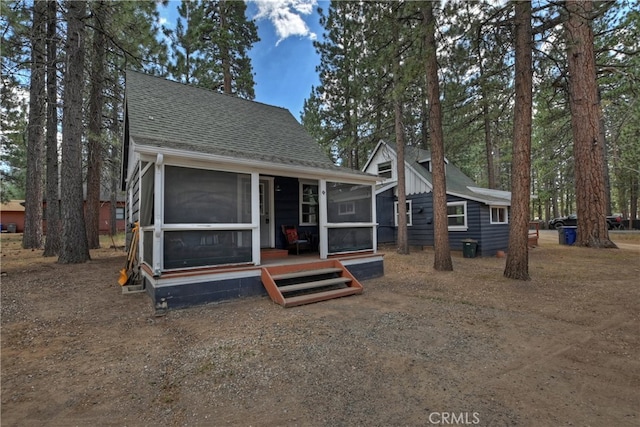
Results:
x,y
374,219
255,217
158,203
324,232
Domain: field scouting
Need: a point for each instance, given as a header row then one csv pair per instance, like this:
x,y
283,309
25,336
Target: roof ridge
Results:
x,y
205,89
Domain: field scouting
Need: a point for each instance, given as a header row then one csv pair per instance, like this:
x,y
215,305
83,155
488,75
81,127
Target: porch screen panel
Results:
x,y
199,196
147,248
146,198
350,239
348,203
184,249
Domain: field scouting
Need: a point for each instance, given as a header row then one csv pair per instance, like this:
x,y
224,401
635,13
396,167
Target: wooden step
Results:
x,y
320,296
326,274
315,284
305,273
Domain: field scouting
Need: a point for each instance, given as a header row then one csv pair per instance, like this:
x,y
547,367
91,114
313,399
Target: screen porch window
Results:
x,y
457,216
349,217
308,203
207,218
409,213
499,215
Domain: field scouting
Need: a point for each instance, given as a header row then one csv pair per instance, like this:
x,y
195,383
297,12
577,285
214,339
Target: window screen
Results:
x,y
198,196
348,203
202,248
350,239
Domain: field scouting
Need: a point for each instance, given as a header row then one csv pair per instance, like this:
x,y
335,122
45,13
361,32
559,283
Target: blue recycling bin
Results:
x,y
569,235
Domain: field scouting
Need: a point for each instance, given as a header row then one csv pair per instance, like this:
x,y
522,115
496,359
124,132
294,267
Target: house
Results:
x,y
212,178
474,213
12,215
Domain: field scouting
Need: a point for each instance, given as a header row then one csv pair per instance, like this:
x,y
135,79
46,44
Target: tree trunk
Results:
x,y
74,247
585,124
94,147
115,157
32,236
442,258
517,265
52,242
403,238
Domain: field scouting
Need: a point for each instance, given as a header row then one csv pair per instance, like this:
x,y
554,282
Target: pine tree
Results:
x,y
52,242
585,124
74,248
517,266
442,258
32,236
95,151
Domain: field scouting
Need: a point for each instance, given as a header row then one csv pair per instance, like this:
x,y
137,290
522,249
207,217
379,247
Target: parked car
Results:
x,y
613,222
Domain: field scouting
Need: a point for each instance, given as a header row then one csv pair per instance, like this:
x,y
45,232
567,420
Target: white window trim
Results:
x,y
458,227
350,208
506,215
409,213
300,190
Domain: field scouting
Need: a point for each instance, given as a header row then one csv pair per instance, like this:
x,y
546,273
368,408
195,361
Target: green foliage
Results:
x,y
211,44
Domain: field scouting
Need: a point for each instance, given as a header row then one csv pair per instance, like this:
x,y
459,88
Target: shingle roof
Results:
x,y
457,182
173,115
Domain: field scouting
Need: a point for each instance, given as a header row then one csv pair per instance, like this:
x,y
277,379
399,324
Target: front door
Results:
x,y
266,214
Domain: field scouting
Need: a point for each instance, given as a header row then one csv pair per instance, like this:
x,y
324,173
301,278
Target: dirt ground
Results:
x,y
418,348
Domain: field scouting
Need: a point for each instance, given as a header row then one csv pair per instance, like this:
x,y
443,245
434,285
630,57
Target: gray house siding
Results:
x,y
494,237
490,237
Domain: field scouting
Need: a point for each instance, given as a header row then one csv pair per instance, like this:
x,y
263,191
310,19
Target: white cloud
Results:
x,y
286,16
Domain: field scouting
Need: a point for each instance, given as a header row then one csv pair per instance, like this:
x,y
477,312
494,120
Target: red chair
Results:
x,y
293,239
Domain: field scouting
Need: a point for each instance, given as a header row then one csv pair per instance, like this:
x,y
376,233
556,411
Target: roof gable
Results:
x,y
458,184
166,114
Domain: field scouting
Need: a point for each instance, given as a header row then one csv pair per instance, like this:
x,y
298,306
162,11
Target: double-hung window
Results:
x,y
308,203
499,215
408,212
457,216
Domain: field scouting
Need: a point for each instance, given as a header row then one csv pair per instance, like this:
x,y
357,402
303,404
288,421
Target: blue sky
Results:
x,y
284,60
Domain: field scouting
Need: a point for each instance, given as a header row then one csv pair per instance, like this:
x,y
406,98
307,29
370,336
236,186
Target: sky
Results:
x,y
284,60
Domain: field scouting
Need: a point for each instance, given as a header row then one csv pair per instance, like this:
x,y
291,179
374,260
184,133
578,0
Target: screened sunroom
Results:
x,y
195,217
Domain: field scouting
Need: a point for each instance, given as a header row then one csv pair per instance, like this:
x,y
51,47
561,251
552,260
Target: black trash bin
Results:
x,y
469,248
11,227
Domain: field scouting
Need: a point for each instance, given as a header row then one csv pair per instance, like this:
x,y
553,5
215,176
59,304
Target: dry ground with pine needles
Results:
x,y
419,347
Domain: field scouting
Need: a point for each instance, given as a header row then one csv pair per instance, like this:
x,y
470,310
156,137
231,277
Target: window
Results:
x,y
119,213
384,170
457,216
409,213
348,203
499,215
200,196
308,203
347,208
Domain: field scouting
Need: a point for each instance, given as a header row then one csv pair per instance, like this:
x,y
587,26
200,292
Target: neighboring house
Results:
x,y
474,213
212,178
12,216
